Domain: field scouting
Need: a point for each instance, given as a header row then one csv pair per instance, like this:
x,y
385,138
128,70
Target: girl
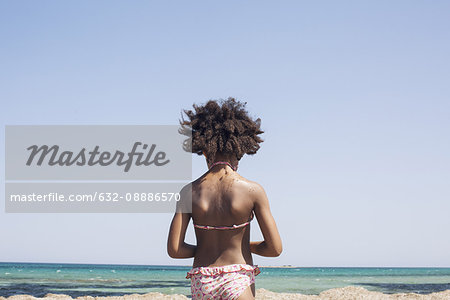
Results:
x,y
223,204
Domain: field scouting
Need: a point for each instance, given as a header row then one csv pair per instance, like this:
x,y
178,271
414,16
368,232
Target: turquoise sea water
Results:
x,y
107,280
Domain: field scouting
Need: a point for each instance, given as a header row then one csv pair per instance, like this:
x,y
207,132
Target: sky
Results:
x,y
354,98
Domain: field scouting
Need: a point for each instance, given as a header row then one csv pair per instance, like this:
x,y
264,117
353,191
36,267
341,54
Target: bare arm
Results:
x,y
176,247
271,246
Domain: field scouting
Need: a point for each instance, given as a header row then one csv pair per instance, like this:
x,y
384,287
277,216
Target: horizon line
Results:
x,y
261,266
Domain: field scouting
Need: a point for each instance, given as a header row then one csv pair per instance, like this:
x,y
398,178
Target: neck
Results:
x,y
222,163
223,160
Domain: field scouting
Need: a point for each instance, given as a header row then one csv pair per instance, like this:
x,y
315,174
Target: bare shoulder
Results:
x,y
194,186
251,188
187,189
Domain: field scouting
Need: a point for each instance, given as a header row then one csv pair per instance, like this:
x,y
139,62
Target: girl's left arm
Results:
x,y
176,247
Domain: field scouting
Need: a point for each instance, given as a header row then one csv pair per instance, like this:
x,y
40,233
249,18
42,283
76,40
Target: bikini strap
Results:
x,y
207,227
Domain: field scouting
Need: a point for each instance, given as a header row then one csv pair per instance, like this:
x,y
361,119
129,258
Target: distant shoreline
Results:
x,y
280,267
189,266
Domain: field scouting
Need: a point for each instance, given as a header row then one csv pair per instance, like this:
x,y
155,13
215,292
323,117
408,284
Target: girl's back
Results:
x,y
221,199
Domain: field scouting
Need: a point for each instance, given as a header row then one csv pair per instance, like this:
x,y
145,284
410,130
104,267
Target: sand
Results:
x,y
349,292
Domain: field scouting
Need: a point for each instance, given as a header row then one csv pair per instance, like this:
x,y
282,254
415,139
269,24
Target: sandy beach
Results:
x,y
350,292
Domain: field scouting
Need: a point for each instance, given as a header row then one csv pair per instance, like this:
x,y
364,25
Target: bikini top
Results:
x,y
207,227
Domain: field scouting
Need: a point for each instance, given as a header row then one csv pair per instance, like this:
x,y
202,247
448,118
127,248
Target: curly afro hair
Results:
x,y
221,126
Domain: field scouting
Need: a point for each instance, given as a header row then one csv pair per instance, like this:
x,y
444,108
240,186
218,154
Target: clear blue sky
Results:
x,y
354,98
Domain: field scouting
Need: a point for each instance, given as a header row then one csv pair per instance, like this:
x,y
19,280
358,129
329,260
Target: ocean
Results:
x,y
76,280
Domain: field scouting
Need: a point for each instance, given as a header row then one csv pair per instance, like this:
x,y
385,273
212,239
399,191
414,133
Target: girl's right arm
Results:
x,y
271,246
